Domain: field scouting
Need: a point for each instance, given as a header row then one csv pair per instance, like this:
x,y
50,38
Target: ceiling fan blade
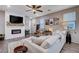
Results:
x,y
28,6
33,6
39,10
38,6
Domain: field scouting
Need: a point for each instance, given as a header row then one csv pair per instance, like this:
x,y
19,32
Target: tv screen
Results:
x,y
16,19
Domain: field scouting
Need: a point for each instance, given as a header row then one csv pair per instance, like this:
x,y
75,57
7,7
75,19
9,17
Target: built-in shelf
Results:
x,y
14,24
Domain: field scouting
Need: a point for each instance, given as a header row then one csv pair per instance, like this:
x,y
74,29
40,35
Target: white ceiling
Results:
x,y
22,9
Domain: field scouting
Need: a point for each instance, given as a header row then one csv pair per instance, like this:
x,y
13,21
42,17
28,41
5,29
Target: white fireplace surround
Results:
x,y
8,34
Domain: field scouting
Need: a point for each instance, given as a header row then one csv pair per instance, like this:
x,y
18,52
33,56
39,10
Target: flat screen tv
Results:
x,y
16,19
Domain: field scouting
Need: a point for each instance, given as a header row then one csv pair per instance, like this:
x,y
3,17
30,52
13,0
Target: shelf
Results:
x,y
14,24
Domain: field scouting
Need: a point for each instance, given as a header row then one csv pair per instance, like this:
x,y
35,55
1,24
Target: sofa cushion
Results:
x,y
47,43
60,33
39,40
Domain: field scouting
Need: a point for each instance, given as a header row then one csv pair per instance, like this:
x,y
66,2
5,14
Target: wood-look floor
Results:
x,y
70,48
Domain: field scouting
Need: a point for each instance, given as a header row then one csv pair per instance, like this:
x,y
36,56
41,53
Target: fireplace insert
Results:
x,y
16,31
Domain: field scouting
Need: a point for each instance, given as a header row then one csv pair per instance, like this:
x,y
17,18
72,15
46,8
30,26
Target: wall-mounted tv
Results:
x,y
16,19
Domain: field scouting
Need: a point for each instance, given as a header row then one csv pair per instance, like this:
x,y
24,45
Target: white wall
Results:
x,y
2,22
27,23
8,29
75,34
33,25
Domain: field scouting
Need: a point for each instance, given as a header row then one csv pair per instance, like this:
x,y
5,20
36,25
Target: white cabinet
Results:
x,y
75,37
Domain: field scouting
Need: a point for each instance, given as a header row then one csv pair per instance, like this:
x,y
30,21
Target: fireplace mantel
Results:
x,y
14,24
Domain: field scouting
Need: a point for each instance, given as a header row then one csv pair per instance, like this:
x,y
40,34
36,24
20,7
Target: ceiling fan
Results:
x,y
35,8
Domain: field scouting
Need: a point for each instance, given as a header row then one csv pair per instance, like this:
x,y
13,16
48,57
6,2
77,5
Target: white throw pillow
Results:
x,y
39,40
45,45
49,42
60,33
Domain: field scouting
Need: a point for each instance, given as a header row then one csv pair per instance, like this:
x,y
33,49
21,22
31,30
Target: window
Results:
x,y
70,19
71,25
42,23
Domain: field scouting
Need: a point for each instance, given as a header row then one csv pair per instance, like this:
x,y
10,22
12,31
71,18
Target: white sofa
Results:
x,y
32,48
50,44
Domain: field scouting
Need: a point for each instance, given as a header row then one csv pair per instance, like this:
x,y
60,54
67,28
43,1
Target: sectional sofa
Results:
x,y
42,44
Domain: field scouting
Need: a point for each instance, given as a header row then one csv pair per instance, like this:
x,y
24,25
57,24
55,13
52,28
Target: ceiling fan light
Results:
x,y
34,10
